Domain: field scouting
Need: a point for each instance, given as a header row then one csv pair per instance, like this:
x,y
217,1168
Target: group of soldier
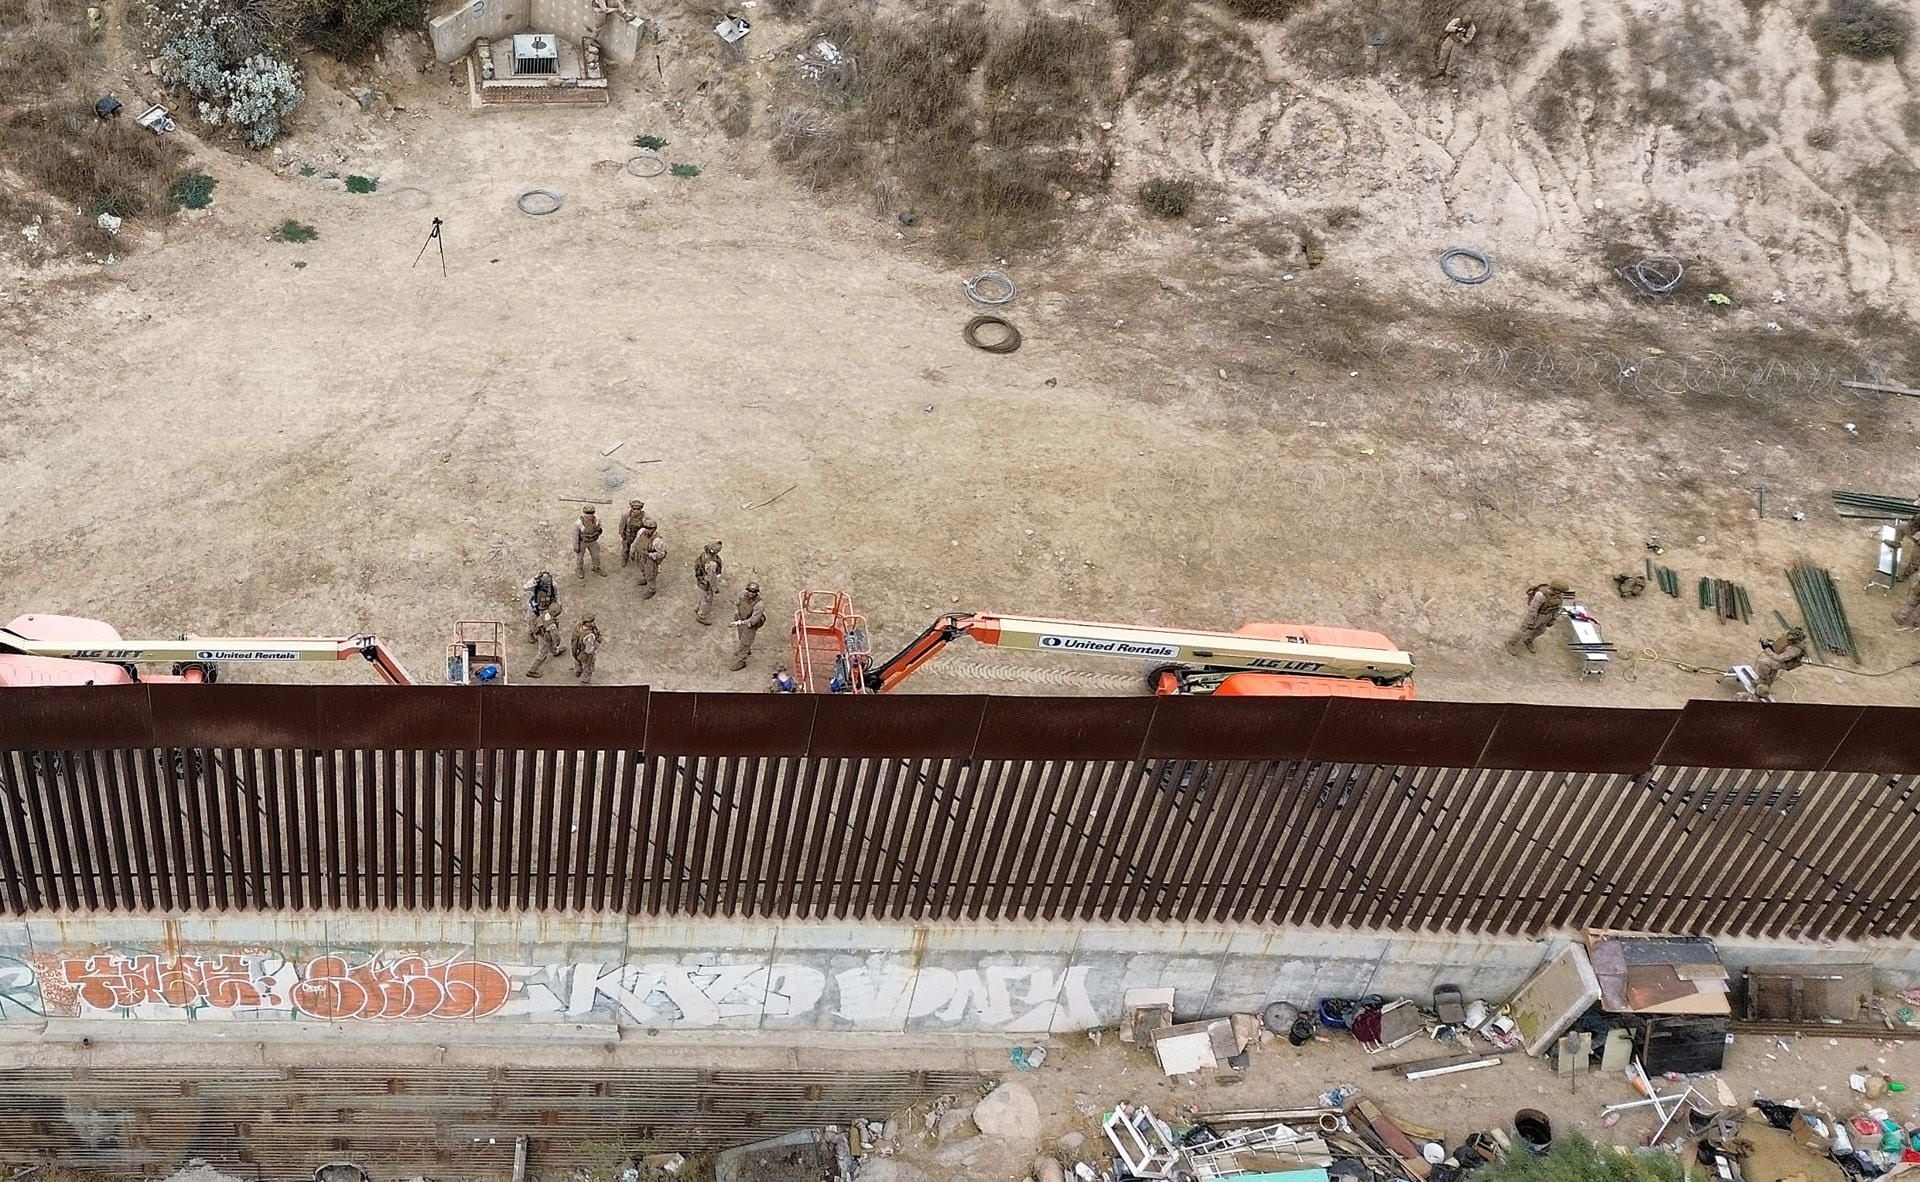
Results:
x,y
641,547
1781,654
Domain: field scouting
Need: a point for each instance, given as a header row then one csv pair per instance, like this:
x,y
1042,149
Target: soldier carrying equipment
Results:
x,y
586,644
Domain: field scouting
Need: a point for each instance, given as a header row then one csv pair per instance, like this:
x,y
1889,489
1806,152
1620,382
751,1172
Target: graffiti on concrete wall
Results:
x,y
882,992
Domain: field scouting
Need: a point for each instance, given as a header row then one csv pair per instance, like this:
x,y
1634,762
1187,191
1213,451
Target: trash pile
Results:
x,y
1347,1138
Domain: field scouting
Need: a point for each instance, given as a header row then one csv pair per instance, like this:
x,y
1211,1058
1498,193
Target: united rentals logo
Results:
x,y
245,654
1109,648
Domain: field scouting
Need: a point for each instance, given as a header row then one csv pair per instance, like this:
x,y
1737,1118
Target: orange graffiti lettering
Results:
x,y
404,987
114,981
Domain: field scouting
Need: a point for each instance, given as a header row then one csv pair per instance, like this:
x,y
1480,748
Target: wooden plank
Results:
x,y
1390,1135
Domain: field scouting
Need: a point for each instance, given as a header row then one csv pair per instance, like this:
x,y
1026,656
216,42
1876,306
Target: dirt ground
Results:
x,y
1079,1078
1200,430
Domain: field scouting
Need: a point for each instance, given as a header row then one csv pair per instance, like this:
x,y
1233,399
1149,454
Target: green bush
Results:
x,y
651,143
361,184
193,190
224,54
347,28
1576,1159
1864,29
292,231
1166,198
685,170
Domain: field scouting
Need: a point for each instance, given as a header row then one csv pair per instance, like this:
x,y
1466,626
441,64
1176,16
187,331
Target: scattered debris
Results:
x,y
770,500
157,119
732,28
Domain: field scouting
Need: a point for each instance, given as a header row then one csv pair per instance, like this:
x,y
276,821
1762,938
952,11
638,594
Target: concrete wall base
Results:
x,y
596,974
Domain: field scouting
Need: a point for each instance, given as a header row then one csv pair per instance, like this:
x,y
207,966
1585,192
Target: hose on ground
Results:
x,y
645,164
1449,259
543,202
998,289
1654,275
1005,344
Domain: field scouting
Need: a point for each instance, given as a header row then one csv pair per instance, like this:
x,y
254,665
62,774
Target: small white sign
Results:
x,y
262,654
1110,648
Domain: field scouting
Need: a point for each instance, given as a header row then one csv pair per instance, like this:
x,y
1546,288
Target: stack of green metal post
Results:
x,y
1820,606
1862,504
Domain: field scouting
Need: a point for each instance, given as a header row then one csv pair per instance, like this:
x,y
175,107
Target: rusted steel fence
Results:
x,y
1724,818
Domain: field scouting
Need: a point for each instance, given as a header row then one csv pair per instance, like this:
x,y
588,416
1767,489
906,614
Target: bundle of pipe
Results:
x,y
1820,606
1861,504
1727,598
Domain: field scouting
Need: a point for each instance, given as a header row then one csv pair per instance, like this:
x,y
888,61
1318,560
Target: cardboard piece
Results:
x,y
1182,1053
1549,1001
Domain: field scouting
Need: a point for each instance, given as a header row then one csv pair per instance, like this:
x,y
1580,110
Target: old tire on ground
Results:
x,y
539,203
1279,1017
1479,270
1007,344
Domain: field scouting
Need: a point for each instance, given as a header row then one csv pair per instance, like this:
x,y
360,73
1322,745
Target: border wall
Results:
x,y
1729,819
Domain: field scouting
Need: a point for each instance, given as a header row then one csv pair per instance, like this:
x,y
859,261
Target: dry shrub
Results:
x,y
976,129
1166,197
1864,29
1344,40
43,44
345,28
1049,53
97,166
788,9
1269,10
1154,28
734,113
1581,69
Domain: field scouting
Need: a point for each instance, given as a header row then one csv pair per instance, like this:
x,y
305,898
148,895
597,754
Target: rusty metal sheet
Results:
x,y
1438,734
1185,727
374,716
76,718
230,715
550,717
1589,738
899,725
1883,739
1780,735
1063,728
730,724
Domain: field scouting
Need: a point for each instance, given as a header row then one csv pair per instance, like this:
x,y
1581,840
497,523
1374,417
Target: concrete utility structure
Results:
x,y
535,51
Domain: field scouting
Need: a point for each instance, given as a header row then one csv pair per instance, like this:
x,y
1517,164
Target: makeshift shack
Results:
x,y
1670,992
